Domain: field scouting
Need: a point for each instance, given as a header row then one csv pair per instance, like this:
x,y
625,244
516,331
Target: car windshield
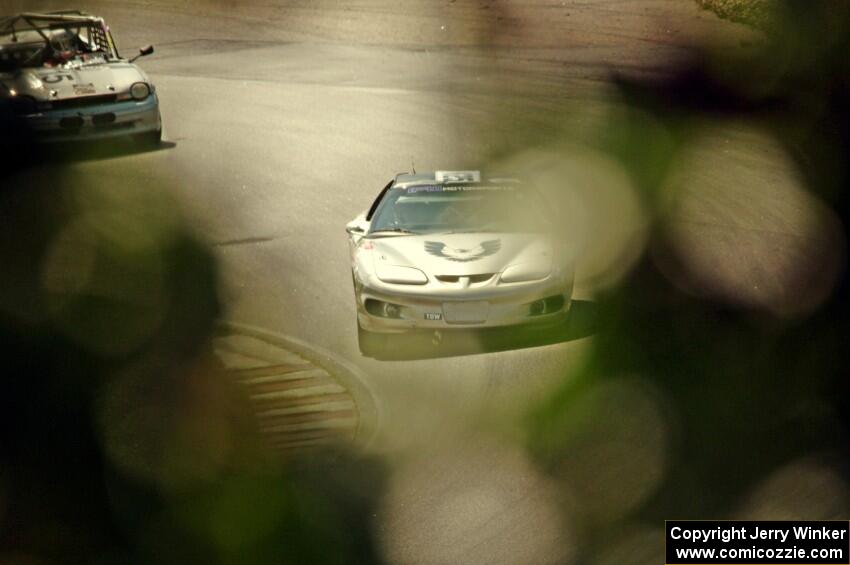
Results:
x,y
15,56
459,208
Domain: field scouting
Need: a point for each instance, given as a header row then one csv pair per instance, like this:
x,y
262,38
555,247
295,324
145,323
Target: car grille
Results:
x,y
83,102
103,120
473,279
71,123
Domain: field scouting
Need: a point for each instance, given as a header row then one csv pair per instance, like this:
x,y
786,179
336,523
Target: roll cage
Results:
x,y
91,29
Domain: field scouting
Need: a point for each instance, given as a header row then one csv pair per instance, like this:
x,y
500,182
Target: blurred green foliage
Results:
x,y
121,439
739,393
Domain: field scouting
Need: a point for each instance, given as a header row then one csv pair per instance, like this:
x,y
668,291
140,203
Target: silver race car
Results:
x,y
448,250
62,74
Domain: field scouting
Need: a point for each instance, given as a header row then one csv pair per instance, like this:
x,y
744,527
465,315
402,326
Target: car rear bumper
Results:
x,y
97,122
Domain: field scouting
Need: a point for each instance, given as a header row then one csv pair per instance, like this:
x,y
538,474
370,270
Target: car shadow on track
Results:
x,y
581,323
101,150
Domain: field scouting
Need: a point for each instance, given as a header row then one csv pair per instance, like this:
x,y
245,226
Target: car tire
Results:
x,y
371,344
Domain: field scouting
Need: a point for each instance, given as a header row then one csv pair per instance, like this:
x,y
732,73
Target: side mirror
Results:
x,y
143,52
357,226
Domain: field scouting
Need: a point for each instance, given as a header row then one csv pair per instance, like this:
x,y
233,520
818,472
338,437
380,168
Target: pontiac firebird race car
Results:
x,y
62,74
446,250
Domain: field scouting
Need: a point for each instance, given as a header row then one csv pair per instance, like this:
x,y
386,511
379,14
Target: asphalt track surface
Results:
x,y
284,119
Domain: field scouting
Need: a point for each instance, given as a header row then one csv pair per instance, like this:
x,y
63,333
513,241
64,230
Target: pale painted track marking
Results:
x,y
298,405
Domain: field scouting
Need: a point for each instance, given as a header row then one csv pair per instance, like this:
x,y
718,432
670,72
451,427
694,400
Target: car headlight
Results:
x,y
382,309
548,305
400,275
140,90
525,272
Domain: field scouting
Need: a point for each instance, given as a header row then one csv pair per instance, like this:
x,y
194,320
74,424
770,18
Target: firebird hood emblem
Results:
x,y
485,248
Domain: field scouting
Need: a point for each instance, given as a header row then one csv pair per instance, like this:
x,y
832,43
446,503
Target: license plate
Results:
x,y
83,89
466,312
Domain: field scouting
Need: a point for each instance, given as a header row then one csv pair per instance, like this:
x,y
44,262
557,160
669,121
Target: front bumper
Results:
x,y
492,308
116,119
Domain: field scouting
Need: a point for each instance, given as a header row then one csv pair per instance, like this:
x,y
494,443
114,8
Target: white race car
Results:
x,y
61,73
448,250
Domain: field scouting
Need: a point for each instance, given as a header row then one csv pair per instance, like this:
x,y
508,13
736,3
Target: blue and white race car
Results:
x,y
450,250
62,74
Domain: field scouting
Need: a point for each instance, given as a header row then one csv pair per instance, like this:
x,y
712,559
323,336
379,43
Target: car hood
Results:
x,y
71,81
463,254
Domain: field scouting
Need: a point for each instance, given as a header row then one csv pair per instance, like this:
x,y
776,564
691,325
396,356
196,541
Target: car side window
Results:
x,y
378,201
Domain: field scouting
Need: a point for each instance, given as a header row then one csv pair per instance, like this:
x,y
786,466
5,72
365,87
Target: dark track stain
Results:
x,y
243,241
